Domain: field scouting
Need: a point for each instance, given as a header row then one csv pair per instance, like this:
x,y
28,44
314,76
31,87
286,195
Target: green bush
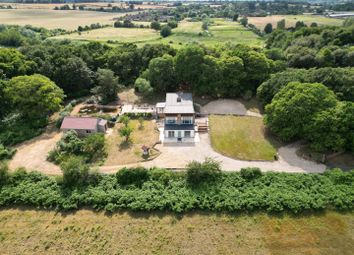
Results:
x,y
132,176
75,171
207,171
250,173
4,173
91,148
6,153
140,189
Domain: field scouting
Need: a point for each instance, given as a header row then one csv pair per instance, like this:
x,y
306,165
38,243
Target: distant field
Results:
x,y
55,19
186,32
92,5
115,34
260,22
240,137
221,32
86,232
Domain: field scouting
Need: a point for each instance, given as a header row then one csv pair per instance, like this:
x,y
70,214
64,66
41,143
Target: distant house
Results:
x,y
84,125
179,116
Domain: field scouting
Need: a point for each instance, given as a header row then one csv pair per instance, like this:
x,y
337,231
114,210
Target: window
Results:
x,y
170,120
171,133
187,133
88,131
187,120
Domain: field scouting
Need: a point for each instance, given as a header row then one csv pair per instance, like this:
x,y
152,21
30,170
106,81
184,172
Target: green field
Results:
x,y
25,231
187,32
240,137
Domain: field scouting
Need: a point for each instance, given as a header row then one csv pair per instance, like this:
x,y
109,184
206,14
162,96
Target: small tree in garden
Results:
x,y
125,132
124,119
141,122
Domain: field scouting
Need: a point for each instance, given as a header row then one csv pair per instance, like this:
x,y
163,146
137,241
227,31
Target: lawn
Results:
x,y
290,20
120,153
240,137
28,231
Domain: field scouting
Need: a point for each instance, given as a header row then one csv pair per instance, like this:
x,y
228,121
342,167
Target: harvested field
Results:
x,y
51,19
114,34
27,231
290,20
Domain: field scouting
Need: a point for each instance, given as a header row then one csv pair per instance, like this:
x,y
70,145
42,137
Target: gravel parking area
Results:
x,y
227,106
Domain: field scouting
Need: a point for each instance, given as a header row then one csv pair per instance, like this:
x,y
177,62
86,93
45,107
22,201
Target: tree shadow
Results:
x,y
125,145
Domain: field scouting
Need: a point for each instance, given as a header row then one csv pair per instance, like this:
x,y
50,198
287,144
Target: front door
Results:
x,y
179,136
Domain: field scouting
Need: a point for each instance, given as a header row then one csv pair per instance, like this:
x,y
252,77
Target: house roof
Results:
x,y
179,103
102,122
160,105
87,123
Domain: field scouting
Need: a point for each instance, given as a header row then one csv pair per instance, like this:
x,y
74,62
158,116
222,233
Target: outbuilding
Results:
x,y
84,125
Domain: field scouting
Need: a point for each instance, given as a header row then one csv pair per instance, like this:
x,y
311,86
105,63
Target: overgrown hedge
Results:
x,y
163,190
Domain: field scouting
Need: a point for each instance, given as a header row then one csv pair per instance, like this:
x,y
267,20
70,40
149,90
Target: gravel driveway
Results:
x,y
33,153
177,156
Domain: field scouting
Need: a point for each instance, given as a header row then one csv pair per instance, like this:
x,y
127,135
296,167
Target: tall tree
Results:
x,y
161,74
294,106
333,129
188,64
108,86
34,96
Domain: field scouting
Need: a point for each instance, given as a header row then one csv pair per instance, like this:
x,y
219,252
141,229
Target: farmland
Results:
x,y
138,35
68,20
290,20
47,232
220,31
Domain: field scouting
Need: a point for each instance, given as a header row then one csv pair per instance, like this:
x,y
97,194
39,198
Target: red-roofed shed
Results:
x,y
84,125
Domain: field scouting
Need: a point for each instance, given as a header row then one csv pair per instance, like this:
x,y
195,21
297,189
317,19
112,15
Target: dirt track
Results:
x,y
33,153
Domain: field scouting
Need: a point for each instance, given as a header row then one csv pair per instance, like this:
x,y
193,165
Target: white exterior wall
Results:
x,y
174,139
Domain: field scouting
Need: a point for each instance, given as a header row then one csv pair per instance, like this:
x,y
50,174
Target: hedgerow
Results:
x,y
163,190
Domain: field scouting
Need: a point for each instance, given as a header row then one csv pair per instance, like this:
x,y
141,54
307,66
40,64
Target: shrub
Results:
x,y
160,174
250,173
201,172
75,171
94,147
165,31
6,153
158,189
4,173
90,148
132,176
